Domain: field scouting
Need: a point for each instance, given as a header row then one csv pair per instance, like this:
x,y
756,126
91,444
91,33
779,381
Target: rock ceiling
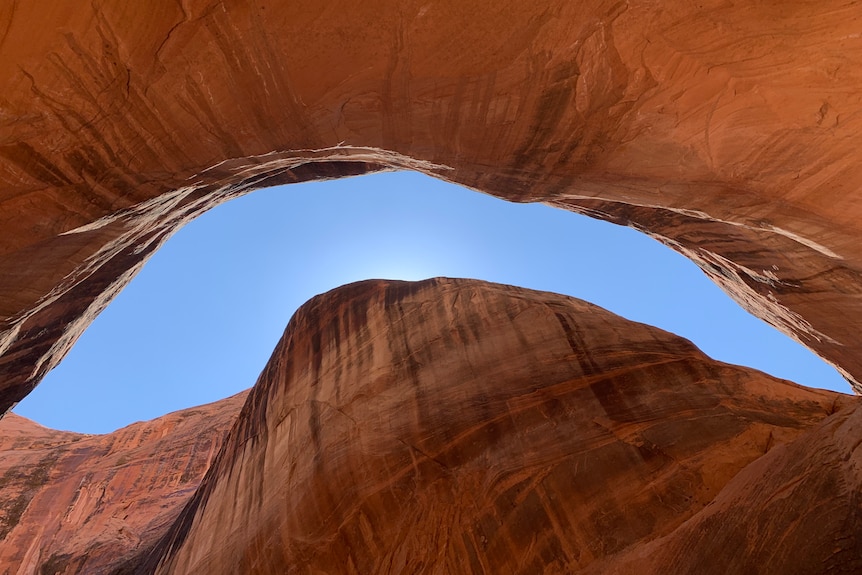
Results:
x,y
728,131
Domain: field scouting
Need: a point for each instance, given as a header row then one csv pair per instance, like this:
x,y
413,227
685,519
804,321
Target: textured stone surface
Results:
x,y
729,130
795,511
73,503
455,426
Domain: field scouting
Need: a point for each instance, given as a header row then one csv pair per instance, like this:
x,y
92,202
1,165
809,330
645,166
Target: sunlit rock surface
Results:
x,y
728,130
74,503
455,426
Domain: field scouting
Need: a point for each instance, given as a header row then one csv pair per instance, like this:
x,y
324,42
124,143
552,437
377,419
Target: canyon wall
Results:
x,y
482,427
455,426
728,131
76,503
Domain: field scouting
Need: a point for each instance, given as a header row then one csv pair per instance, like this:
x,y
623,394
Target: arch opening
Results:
x,y
229,302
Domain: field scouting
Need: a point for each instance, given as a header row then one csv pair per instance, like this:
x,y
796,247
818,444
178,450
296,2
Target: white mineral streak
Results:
x,y
697,214
155,220
728,275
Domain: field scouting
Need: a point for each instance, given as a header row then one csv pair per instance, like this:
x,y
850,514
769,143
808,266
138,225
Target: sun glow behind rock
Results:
x,y
201,319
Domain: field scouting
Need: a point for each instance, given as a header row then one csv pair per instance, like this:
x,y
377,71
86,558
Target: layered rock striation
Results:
x,y
75,503
455,426
730,131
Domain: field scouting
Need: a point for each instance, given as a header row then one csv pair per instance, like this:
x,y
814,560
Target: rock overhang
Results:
x,y
733,147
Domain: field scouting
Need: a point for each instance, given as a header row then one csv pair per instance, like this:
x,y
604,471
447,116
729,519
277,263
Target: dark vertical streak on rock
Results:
x,y
577,344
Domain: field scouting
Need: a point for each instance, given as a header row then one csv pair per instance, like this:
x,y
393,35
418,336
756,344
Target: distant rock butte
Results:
x,y
729,130
456,426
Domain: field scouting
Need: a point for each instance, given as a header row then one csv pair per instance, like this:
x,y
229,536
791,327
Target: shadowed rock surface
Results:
x,y
455,426
730,131
796,510
75,503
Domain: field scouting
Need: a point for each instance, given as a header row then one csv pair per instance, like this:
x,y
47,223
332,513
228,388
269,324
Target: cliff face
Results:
x,y
73,503
454,426
771,517
728,130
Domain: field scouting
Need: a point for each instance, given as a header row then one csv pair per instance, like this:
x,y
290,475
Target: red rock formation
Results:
x,y
454,426
729,130
795,510
73,503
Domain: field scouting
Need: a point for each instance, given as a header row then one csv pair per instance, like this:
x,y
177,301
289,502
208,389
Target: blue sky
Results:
x,y
201,319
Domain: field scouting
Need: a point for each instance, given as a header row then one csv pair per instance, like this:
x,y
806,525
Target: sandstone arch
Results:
x,y
730,132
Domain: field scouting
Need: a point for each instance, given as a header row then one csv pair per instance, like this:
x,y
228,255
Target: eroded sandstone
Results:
x,y
75,503
455,426
730,131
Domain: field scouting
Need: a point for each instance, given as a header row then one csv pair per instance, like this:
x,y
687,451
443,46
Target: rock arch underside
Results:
x,y
449,425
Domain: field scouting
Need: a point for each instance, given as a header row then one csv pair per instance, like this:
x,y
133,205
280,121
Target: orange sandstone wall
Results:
x,y
75,503
730,131
455,426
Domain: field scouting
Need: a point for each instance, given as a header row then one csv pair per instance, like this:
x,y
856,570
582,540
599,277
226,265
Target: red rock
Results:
x,y
796,510
730,131
454,426
74,503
